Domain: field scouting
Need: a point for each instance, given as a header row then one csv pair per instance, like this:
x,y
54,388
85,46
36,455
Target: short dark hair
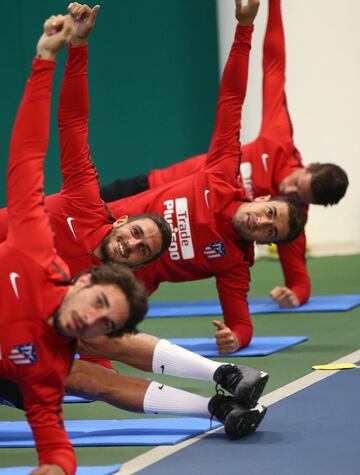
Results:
x,y
297,218
163,227
328,183
120,275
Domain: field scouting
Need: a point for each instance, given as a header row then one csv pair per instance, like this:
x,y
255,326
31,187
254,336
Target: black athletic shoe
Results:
x,y
245,383
238,420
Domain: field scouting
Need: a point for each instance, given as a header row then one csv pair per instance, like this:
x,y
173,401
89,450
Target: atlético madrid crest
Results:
x,y
23,354
215,249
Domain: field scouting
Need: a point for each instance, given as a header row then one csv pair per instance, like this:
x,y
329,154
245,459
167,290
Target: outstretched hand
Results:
x,y
84,19
226,340
58,30
48,470
245,15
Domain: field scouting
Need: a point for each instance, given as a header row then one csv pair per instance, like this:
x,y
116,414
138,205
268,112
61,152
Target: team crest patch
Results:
x,y
215,249
23,354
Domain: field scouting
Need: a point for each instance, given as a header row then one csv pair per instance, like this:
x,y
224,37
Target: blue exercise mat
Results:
x,y
67,400
100,470
90,433
75,399
259,346
321,303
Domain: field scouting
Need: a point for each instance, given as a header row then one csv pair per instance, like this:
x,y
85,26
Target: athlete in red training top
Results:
x,y
212,220
85,231
41,315
271,164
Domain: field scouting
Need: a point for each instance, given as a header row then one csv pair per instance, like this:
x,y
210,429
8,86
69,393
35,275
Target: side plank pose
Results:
x,y
270,165
213,221
85,231
238,412
150,353
41,314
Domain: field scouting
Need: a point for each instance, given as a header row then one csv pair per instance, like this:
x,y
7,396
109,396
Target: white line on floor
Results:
x,y
159,453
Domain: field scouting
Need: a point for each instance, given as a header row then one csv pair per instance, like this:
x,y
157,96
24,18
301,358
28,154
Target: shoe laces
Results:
x,y
219,392
228,374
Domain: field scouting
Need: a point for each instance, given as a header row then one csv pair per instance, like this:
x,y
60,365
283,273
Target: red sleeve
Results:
x,y
292,257
233,290
178,170
28,224
224,152
45,416
3,224
276,123
80,181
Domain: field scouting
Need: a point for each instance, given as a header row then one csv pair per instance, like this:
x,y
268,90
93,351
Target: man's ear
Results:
x,y
122,220
84,279
263,198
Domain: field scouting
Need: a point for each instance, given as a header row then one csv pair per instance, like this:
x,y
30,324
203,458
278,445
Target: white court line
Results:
x,y
158,453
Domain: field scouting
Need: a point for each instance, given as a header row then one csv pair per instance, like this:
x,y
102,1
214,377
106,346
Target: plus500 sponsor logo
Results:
x,y
181,246
246,174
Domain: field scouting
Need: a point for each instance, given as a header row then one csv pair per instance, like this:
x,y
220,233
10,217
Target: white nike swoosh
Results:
x,y
206,192
68,220
13,276
264,158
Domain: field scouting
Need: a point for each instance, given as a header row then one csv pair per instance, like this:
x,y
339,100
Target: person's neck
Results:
x,y
97,252
290,179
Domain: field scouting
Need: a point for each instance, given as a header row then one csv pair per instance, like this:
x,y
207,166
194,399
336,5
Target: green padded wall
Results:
x,y
153,77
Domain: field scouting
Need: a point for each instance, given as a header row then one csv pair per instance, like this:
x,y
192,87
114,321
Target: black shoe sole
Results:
x,y
237,426
251,399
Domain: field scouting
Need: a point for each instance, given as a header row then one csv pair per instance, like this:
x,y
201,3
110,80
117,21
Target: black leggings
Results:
x,y
11,393
123,188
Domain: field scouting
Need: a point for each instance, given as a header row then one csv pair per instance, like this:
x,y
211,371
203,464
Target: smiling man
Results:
x,y
41,314
135,241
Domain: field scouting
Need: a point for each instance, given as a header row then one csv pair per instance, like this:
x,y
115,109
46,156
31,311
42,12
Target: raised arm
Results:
x,y
224,152
277,126
79,175
29,229
28,226
276,122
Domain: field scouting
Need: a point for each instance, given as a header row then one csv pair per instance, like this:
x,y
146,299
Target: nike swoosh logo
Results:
x,y
69,221
13,276
162,372
264,158
206,192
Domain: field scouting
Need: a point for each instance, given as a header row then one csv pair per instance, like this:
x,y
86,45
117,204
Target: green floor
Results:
x,y
331,336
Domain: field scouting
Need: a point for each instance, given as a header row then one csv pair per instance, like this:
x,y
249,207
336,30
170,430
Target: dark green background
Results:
x,y
153,77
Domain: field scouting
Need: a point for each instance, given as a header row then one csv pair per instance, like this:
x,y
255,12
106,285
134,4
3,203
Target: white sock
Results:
x,y
176,361
162,399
